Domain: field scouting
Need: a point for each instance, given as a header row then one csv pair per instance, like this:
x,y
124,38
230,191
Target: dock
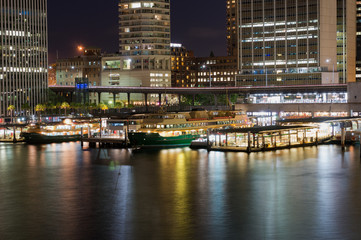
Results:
x,y
270,138
104,142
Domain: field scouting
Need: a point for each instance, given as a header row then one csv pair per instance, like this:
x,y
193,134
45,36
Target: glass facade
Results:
x,y
24,57
292,42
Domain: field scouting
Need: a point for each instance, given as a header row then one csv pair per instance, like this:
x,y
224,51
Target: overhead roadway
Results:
x,y
211,90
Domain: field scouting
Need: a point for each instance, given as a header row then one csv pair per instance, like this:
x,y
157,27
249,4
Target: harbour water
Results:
x,y
59,191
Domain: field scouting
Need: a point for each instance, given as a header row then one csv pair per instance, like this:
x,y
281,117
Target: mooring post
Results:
x,y
14,137
249,142
81,137
208,145
343,138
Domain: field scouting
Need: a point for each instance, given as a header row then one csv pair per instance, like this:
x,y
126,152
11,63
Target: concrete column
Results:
x,y
128,96
215,100
249,142
99,97
194,99
114,98
226,139
304,136
343,138
289,138
14,136
254,140
146,101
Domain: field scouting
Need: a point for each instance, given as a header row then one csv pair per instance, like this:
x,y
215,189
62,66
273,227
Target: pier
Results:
x,y
104,142
11,132
270,138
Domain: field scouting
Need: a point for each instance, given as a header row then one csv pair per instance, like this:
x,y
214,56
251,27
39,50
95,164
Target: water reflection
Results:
x,y
64,192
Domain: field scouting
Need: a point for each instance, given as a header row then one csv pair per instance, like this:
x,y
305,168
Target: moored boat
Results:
x,y
66,131
170,130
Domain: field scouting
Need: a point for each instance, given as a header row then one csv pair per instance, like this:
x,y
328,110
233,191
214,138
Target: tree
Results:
x,y
118,105
50,106
26,107
103,107
65,106
11,109
40,108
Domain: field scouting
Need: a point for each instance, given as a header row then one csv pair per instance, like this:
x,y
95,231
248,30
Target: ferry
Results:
x,y
66,131
168,130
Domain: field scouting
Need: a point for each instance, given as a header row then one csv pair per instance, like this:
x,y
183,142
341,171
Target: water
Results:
x,y
59,191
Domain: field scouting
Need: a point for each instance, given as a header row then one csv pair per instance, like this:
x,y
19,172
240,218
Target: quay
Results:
x,y
288,134
270,138
104,142
11,132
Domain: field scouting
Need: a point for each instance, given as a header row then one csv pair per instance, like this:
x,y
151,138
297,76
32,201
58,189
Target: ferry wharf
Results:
x,y
270,138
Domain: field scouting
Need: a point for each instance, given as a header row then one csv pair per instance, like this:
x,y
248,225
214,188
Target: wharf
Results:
x,y
259,139
107,142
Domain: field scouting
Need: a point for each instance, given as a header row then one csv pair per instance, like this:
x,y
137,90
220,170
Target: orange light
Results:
x,y
80,48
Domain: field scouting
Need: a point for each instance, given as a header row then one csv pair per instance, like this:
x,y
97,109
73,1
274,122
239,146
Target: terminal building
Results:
x,y
287,42
24,55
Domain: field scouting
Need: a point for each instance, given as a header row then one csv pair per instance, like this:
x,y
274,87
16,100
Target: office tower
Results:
x,y
294,42
358,39
24,57
232,27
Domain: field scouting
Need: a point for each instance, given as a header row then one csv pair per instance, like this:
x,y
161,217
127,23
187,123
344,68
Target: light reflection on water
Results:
x,y
60,191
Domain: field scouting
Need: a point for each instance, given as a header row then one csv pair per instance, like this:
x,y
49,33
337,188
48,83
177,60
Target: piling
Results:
x,y
81,137
343,138
14,135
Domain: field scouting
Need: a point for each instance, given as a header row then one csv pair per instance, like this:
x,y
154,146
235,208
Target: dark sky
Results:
x,y
198,24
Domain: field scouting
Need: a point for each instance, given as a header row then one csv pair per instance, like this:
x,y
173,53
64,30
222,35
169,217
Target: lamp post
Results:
x,y
210,73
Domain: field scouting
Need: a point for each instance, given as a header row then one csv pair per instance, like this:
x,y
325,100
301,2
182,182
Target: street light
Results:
x,y
210,74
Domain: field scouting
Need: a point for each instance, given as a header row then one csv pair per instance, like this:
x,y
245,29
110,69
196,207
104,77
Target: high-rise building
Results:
x,y
24,54
292,42
144,42
358,39
232,27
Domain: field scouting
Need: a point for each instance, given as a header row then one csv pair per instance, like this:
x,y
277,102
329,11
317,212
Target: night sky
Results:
x,y
198,24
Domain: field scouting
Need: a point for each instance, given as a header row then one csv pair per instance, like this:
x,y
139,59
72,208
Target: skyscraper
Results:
x,y
232,27
144,57
358,36
24,57
292,42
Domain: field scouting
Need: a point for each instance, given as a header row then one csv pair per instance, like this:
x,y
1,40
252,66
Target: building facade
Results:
x,y
24,54
87,66
358,39
183,74
232,27
294,42
144,43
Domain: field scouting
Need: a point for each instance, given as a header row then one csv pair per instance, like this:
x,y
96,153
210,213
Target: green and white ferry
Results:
x,y
169,130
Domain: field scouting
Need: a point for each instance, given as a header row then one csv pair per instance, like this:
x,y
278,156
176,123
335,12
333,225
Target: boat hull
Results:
x,y
36,138
154,140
